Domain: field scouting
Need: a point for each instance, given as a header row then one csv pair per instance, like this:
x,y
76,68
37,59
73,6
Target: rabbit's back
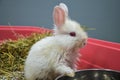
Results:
x,y
42,58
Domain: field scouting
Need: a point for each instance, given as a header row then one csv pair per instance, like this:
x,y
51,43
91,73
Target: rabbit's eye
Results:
x,y
72,34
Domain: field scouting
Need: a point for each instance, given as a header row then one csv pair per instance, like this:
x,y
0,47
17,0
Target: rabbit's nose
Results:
x,y
84,42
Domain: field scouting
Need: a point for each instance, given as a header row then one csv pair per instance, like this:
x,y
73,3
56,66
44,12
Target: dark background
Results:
x,y
104,15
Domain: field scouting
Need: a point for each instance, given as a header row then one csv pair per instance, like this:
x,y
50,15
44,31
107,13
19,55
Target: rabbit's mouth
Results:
x,y
81,44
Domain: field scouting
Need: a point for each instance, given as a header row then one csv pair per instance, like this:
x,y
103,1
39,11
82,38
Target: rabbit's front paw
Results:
x,y
70,73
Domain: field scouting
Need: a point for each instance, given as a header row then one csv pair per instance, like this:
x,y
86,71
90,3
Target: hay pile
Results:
x,y
13,54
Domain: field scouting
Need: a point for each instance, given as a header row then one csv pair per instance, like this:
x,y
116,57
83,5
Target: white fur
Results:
x,y
56,54
46,54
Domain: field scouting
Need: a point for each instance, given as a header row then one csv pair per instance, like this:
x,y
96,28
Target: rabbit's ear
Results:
x,y
65,8
59,16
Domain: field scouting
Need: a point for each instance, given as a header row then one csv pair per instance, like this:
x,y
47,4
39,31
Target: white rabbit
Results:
x,y
57,54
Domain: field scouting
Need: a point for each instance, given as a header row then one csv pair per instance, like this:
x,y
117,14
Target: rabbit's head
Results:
x,y
64,26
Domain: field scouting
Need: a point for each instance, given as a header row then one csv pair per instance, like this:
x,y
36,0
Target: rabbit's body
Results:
x,y
57,54
47,54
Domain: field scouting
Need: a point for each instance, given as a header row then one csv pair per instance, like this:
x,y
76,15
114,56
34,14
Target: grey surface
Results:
x,y
104,15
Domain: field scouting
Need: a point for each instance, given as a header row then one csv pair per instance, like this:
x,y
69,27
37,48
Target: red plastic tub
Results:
x,y
97,53
8,32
